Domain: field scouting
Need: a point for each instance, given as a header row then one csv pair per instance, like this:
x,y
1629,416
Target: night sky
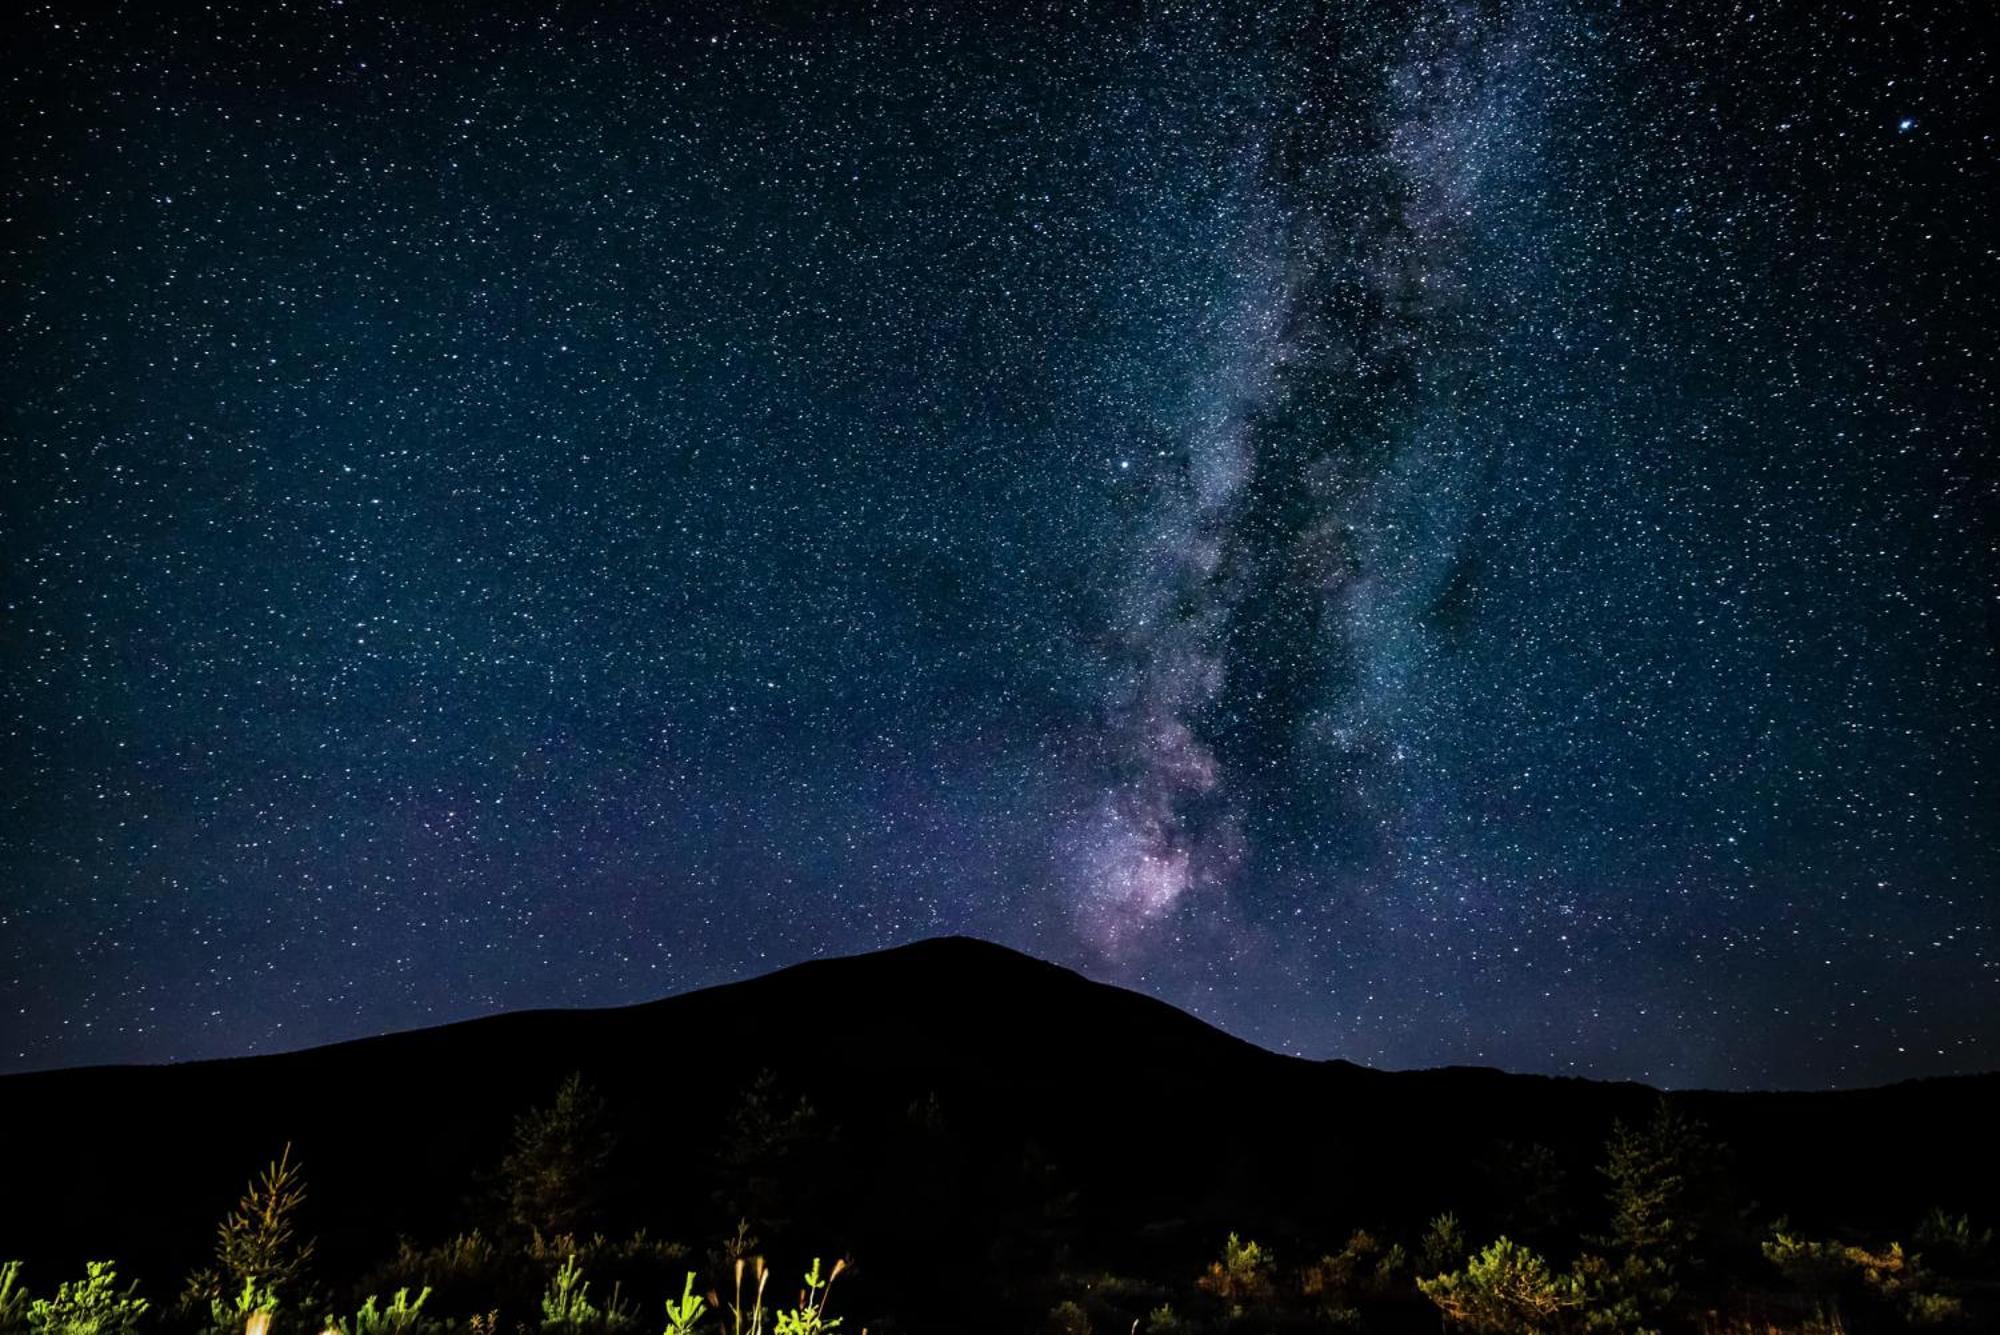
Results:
x,y
1420,532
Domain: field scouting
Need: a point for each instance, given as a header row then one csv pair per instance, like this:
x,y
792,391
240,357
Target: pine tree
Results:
x,y
764,1156
1663,1179
554,1177
257,1245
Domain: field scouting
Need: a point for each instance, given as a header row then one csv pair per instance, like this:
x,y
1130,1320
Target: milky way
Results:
x,y
1258,618
1437,532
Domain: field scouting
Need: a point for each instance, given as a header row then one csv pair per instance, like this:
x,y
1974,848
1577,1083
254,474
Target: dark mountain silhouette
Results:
x,y
971,1100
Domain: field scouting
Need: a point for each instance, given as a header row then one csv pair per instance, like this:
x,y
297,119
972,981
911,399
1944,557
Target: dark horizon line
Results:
x,y
960,940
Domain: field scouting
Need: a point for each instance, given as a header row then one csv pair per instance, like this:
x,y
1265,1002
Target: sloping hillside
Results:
x,y
966,1096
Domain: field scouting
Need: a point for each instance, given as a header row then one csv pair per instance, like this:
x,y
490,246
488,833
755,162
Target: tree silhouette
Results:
x,y
554,1177
258,1250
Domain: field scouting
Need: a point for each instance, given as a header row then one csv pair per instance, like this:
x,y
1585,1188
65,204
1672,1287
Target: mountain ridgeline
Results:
x,y
957,1118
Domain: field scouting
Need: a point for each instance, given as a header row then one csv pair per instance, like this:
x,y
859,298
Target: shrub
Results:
x,y
1818,1323
1243,1278
567,1309
94,1305
682,1315
1505,1290
1811,1267
1930,1309
1069,1318
638,1257
462,1272
1886,1275
1951,1244
809,1317
252,1302
1443,1245
1612,1299
1363,1266
401,1317
1363,1269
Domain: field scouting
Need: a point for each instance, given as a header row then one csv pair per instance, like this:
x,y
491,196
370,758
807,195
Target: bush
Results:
x,y
1069,1318
1361,1270
567,1309
1443,1245
1885,1275
1952,1245
1243,1278
252,1302
1505,1290
682,1315
463,1271
809,1317
400,1317
93,1305
1612,1299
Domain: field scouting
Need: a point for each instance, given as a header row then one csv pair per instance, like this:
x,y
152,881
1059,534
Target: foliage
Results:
x,y
402,1316
1613,1298
1930,1309
1068,1318
1363,1269
93,1305
1505,1290
1664,1216
252,1310
1820,1322
1812,1267
1529,1184
1665,1193
766,1143
555,1175
1887,1275
809,1317
682,1315
1952,1245
1443,1245
258,1243
1662,1177
259,1239
1107,1286
13,1299
1244,1278
639,1248
463,1269
762,1275
567,1309
1887,1272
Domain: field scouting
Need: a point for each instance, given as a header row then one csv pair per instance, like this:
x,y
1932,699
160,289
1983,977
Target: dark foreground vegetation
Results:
x,y
954,1137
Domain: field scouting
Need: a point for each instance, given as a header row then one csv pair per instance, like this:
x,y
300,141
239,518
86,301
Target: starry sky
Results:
x,y
1447,531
